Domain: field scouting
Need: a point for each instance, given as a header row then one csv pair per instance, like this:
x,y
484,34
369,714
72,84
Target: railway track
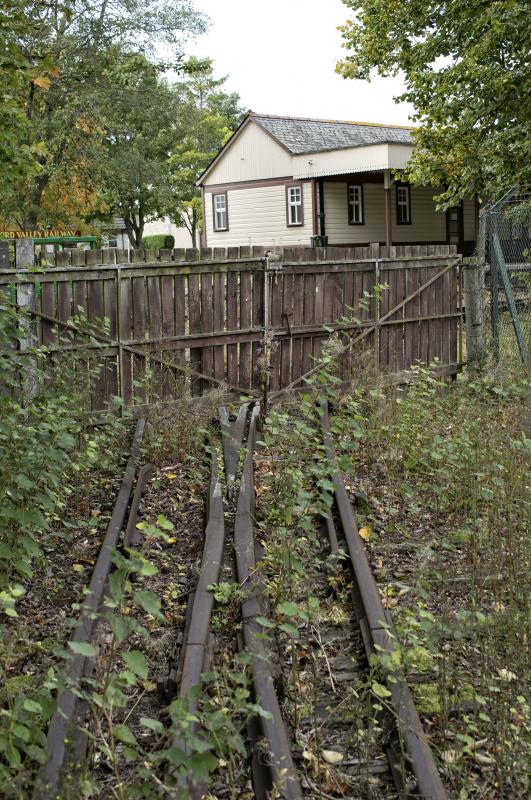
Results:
x,y
398,764
66,742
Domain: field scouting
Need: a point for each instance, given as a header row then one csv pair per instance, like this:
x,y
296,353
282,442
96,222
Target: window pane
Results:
x,y
294,217
220,212
355,204
294,202
403,205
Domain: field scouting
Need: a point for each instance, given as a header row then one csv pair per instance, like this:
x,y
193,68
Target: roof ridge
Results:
x,y
254,114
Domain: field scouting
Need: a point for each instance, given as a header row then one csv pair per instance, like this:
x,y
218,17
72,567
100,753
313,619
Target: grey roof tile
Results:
x,y
313,136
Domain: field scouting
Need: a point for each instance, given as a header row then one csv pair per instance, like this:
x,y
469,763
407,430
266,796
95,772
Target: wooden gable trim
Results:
x,y
256,184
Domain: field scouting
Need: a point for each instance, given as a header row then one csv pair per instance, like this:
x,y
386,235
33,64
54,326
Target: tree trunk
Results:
x,y
134,229
31,215
194,229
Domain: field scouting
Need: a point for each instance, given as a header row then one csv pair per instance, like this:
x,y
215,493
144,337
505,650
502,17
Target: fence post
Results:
x,y
4,254
475,318
25,259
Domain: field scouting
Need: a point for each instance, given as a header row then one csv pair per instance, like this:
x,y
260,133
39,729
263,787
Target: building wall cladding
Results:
x,y
257,215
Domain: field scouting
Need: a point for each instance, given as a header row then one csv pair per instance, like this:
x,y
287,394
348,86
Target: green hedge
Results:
x,y
159,241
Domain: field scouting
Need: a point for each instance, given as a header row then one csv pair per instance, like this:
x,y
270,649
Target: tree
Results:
x,y
70,47
468,74
140,121
208,116
18,158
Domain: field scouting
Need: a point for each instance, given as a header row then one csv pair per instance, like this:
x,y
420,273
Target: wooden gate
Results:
x,y
179,327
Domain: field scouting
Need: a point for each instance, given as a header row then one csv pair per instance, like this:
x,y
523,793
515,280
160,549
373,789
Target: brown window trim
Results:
x,y
301,187
408,187
350,220
214,195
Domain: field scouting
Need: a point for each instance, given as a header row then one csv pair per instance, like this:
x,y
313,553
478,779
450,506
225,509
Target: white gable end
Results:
x,y
252,156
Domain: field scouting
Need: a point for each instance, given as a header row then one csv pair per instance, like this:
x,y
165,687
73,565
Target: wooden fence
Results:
x,y
193,324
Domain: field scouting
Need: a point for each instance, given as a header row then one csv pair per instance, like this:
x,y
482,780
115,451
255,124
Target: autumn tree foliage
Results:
x,y
56,71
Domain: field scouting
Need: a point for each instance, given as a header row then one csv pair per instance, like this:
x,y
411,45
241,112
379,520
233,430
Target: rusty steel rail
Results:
x,y
133,537
378,636
66,741
199,613
283,775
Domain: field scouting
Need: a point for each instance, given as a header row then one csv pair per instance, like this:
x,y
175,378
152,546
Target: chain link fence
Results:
x,y
508,256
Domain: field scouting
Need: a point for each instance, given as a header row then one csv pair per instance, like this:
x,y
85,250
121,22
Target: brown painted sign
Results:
x,y
38,234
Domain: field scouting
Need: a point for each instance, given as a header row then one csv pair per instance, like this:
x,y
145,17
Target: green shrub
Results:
x,y
159,241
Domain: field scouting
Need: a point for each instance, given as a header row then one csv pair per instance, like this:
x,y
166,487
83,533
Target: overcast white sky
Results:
x,y
281,55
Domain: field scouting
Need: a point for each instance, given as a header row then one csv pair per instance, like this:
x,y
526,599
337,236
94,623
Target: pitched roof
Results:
x,y
300,135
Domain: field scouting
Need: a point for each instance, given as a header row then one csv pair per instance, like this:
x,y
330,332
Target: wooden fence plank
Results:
x,y
385,305
125,327
424,326
194,315
276,322
168,305
110,305
207,326
434,347
219,323
246,315
298,319
139,319
309,317
95,313
287,320
258,322
232,324
159,380
400,329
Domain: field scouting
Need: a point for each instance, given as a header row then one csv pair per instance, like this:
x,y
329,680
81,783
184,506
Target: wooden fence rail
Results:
x,y
189,325
74,257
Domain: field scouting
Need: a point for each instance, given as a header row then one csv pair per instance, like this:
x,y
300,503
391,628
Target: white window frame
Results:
x,y
355,204
403,201
294,207
220,214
